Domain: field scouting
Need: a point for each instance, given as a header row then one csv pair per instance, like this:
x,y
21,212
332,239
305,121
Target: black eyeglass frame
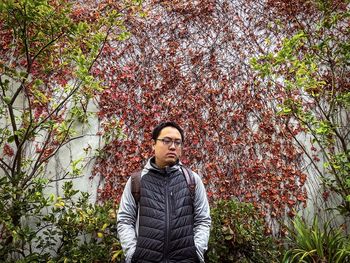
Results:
x,y
168,142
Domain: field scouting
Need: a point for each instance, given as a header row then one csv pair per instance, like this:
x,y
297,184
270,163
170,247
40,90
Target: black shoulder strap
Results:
x,y
190,181
135,185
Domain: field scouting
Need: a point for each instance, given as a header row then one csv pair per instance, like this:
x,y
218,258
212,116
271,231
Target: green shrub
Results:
x,y
238,235
313,244
66,228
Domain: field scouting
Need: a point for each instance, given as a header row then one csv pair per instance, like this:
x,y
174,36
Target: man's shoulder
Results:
x,y
194,174
188,173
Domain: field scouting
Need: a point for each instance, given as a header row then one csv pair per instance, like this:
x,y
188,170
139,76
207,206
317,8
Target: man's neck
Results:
x,y
161,167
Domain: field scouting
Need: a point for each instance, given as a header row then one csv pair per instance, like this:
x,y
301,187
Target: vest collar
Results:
x,y
151,165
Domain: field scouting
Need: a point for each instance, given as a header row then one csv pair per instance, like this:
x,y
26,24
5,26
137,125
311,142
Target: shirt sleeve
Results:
x,y
126,222
202,219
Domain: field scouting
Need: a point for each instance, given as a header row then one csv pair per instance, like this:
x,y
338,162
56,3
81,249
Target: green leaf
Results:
x,y
7,100
11,139
123,36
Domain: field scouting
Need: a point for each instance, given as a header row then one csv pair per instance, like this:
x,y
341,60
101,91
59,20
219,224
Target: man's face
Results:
x,y
167,155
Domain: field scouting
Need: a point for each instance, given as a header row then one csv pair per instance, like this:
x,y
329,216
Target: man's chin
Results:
x,y
171,161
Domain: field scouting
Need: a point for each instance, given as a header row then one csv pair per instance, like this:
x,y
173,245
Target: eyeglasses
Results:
x,y
168,142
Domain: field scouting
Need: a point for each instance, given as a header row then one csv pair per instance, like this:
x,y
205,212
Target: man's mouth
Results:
x,y
171,155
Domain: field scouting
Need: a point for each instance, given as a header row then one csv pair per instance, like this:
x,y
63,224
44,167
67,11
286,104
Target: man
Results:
x,y
167,224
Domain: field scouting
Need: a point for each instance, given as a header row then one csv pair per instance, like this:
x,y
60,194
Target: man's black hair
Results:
x,y
161,126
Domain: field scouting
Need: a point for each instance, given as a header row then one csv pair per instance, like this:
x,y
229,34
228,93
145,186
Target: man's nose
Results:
x,y
172,145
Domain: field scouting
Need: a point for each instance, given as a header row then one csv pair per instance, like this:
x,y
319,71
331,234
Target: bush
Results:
x,y
312,244
66,228
237,235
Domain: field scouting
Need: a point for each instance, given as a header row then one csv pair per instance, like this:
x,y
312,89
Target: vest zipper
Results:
x,y
167,219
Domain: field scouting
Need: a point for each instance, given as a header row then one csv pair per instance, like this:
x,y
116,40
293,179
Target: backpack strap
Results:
x,y
191,183
135,185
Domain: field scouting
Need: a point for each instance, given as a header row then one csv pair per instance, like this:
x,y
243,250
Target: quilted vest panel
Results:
x,y
166,219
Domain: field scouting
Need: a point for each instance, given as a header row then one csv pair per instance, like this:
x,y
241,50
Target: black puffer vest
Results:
x,y
166,219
